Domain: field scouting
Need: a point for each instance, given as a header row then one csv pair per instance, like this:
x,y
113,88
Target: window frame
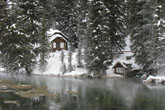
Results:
x,y
54,45
62,45
120,70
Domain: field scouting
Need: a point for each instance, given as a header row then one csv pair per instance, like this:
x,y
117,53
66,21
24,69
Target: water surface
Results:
x,y
86,94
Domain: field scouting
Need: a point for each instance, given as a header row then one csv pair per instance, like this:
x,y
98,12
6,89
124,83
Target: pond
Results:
x,y
83,94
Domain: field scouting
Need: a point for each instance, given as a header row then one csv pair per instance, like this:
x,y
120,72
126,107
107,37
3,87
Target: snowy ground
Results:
x,y
54,65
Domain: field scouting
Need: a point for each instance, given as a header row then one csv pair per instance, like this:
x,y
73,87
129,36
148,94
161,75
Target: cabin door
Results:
x,y
58,46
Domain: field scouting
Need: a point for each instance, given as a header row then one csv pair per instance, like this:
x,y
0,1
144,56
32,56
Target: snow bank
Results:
x,y
54,65
155,79
78,72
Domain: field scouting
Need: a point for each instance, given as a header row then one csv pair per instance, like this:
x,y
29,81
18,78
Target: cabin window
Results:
x,y
54,45
119,70
62,44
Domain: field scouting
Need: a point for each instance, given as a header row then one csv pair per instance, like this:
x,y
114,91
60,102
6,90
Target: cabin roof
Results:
x,y
56,33
122,63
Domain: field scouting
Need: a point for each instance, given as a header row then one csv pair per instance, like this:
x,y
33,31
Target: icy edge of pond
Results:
x,y
77,74
155,79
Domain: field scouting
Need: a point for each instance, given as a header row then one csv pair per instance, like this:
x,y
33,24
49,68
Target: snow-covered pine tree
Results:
x,y
72,37
62,11
135,23
43,45
63,66
9,38
19,50
28,26
81,28
70,66
115,24
66,19
147,53
94,42
45,18
105,34
144,36
3,12
159,17
133,7
3,18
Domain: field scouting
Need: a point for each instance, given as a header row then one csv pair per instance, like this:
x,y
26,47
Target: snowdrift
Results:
x,y
155,79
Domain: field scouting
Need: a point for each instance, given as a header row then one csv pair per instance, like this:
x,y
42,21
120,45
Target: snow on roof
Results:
x,y
56,33
52,31
122,63
127,52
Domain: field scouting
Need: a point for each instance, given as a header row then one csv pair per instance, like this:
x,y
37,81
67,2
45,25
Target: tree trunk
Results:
x,y
28,72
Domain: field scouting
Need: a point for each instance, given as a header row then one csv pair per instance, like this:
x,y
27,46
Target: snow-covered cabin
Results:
x,y
58,40
122,68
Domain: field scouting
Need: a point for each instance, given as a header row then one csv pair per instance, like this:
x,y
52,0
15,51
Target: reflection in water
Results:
x,y
149,101
22,103
77,94
94,99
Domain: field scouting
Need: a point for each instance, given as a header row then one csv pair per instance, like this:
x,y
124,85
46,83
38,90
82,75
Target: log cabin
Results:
x,y
59,41
122,68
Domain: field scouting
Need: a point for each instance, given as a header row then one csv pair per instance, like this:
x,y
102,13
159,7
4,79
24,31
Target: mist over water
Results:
x,y
87,94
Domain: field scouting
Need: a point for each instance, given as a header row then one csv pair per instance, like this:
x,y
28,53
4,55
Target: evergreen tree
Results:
x,y
93,41
145,34
159,18
66,20
44,46
62,11
73,38
115,24
22,34
81,28
105,35
3,5
149,39
3,18
63,66
9,38
133,8
70,66
45,19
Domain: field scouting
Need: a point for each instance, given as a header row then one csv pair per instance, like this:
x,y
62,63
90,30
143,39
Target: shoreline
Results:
x,y
66,75
78,76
